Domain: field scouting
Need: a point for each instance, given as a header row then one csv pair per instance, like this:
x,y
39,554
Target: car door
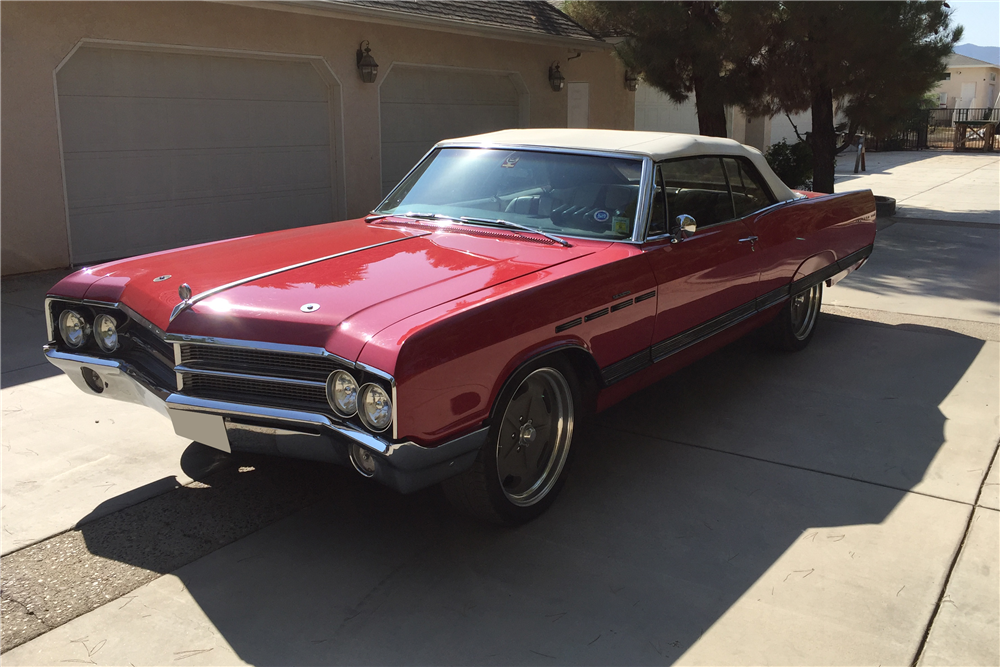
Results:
x,y
706,280
781,237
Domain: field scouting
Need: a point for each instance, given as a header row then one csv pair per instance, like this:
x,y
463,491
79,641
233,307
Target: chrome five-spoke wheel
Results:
x,y
523,463
804,309
535,435
796,324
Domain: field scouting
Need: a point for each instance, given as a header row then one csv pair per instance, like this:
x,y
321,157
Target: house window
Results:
x,y
993,76
947,76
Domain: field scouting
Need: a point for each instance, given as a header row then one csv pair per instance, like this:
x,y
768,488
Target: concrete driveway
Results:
x,y
837,506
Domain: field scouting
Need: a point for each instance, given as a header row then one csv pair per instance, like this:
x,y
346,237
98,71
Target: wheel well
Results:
x,y
580,360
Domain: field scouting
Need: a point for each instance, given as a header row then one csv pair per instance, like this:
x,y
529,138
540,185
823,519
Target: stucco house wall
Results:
x,y
37,37
983,78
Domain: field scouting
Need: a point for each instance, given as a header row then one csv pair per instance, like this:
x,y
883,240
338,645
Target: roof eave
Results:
x,y
390,17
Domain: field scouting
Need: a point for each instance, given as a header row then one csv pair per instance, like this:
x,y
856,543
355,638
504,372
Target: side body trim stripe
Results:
x,y
659,351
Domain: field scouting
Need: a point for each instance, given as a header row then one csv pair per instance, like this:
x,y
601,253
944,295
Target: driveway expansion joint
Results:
x,y
798,467
954,562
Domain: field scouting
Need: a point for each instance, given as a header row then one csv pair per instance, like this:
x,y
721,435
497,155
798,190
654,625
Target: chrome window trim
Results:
x,y
642,206
766,209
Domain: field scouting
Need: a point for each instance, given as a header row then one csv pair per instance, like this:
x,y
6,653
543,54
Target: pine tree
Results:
x,y
709,49
876,59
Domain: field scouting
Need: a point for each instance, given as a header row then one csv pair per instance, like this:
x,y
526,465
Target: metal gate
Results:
x,y
951,129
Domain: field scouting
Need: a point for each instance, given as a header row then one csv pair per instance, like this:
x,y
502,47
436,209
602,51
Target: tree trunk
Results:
x,y
823,138
711,109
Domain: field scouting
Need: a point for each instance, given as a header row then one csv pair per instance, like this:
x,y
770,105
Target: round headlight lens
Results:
x,y
375,408
106,333
342,393
73,328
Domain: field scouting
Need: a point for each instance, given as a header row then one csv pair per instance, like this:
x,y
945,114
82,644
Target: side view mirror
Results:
x,y
686,226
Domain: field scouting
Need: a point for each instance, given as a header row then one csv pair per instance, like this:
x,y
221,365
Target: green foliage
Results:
x,y
792,163
706,48
878,59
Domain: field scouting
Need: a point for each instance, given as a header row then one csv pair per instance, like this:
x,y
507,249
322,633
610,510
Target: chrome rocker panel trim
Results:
x,y
404,466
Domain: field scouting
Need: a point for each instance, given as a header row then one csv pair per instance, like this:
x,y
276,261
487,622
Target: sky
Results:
x,y
981,21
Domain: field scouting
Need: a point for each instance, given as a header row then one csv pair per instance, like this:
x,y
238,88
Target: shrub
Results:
x,y
791,162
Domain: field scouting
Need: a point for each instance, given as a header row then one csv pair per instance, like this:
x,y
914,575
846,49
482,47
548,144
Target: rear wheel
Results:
x,y
796,324
523,465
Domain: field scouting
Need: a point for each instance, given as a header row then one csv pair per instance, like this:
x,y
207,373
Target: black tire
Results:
x,y
545,394
884,206
796,324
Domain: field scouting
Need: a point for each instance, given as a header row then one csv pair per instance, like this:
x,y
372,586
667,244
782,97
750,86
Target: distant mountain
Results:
x,y
990,54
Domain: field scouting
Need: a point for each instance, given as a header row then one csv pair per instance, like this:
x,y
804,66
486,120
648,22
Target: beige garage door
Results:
x,y
420,106
164,149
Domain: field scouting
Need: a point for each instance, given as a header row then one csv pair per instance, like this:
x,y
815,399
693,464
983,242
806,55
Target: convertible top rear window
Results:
x,y
561,193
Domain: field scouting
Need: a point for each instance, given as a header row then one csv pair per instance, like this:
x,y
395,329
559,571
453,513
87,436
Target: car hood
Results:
x,y
332,286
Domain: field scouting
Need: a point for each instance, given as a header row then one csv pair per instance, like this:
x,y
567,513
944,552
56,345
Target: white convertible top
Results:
x,y
657,145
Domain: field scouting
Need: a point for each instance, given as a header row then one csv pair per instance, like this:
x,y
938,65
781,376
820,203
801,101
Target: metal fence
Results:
x,y
952,129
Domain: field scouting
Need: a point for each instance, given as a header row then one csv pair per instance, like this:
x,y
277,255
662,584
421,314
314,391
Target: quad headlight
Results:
x,y
73,328
342,393
375,407
106,333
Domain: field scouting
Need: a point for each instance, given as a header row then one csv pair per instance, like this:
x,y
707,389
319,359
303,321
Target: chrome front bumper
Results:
x,y
404,466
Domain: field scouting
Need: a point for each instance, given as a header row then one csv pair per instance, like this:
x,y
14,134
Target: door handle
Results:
x,y
751,239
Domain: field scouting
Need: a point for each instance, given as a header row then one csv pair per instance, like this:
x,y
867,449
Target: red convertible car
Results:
x,y
511,283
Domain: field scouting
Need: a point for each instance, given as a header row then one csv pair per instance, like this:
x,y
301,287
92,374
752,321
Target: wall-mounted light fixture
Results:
x,y
366,64
556,78
631,80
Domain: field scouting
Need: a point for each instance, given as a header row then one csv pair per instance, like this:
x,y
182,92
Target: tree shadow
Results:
x,y
22,327
679,500
933,261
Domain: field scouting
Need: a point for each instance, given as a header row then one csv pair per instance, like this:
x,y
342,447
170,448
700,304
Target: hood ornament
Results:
x,y
184,292
309,307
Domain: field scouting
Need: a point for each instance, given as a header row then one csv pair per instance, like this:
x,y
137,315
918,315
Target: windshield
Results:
x,y
575,195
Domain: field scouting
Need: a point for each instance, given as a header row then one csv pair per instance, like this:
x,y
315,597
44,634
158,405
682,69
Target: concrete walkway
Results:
x,y
931,185
68,455
838,506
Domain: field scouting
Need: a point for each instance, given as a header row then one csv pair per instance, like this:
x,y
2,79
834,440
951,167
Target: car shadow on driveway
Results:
x,y
680,501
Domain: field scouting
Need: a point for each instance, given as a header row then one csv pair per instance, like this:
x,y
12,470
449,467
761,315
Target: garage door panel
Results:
x,y
431,122
137,178
122,73
423,86
420,106
93,124
149,229
163,150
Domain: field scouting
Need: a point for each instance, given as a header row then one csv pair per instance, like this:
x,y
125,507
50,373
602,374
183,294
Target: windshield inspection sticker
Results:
x,y
601,215
620,224
510,161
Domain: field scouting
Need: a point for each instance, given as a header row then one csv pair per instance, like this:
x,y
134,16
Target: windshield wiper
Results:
x,y
515,225
464,218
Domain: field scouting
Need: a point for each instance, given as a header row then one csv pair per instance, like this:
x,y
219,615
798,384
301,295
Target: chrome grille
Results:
x,y
258,362
260,392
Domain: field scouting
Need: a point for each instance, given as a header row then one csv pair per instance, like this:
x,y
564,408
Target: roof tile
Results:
x,y
531,16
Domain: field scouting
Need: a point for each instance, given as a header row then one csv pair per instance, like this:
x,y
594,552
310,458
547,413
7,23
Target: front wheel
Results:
x,y
796,324
522,466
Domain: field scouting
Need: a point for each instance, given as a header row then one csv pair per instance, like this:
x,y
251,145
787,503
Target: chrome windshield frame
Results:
x,y
645,180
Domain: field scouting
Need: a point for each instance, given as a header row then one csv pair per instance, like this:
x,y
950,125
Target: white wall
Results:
x,y
781,127
655,112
